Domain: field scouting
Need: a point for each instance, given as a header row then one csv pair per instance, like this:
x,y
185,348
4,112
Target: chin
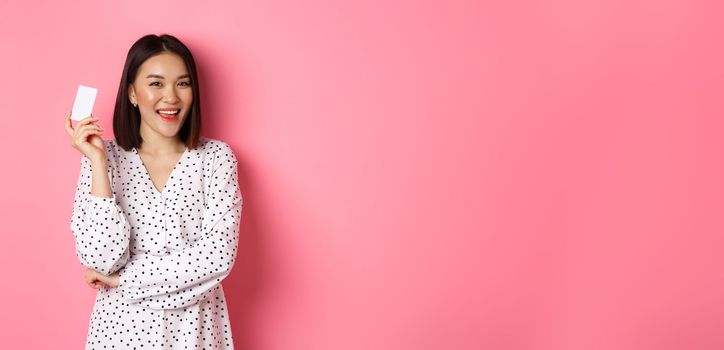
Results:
x,y
169,133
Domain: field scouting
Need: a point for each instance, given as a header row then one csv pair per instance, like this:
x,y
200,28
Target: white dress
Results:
x,y
172,249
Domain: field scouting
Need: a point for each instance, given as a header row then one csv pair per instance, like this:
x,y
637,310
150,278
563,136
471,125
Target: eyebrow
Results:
x,y
161,76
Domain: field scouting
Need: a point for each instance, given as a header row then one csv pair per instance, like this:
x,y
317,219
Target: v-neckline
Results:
x,y
149,179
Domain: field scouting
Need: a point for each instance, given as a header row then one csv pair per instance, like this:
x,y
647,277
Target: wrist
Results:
x,y
98,162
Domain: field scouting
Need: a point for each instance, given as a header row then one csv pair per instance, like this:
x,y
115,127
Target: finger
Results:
x,y
92,277
104,279
69,125
87,120
89,126
83,136
80,127
89,134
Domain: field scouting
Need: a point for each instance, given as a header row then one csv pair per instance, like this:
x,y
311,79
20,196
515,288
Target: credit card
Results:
x,y
84,100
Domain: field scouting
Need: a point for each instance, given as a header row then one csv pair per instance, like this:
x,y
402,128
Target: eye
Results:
x,y
185,83
155,82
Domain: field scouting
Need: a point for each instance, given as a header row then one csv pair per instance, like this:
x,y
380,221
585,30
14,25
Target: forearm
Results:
x,y
100,184
186,276
102,232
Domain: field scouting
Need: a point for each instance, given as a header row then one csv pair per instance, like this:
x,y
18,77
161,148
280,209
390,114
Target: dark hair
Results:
x,y
127,119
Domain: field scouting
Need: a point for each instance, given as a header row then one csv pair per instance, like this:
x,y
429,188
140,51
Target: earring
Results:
x,y
134,104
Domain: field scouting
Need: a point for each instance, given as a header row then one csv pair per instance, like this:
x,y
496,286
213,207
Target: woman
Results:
x,y
156,211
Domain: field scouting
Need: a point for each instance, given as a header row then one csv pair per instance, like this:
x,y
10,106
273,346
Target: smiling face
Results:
x,y
163,93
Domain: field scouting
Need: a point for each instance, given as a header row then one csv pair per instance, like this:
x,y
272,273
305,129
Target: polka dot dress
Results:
x,y
172,248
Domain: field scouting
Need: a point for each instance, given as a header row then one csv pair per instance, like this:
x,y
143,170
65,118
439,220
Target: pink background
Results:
x,y
417,174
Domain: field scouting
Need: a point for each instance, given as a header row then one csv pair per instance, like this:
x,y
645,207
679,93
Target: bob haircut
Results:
x,y
127,119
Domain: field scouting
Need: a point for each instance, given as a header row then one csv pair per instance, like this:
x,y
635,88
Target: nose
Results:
x,y
170,96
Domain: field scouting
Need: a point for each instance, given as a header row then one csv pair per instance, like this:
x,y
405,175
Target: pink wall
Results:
x,y
417,174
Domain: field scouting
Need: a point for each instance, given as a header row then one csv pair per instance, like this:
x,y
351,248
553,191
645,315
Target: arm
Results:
x,y
99,226
184,277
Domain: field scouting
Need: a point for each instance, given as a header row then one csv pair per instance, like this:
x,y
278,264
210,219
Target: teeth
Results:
x,y
168,112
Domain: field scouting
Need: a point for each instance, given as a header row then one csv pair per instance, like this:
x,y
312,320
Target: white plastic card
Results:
x,y
84,100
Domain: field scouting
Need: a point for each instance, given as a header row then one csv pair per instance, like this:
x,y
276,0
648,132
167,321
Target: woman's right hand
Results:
x,y
86,137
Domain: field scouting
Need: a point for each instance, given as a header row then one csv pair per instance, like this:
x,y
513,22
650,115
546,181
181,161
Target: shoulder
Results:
x,y
213,145
215,148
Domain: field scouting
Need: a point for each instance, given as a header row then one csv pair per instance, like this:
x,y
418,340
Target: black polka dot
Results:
x,y
172,249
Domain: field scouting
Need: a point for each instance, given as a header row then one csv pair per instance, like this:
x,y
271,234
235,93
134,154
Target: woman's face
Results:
x,y
162,89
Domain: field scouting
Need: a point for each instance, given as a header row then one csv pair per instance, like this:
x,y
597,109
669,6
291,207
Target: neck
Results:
x,y
157,144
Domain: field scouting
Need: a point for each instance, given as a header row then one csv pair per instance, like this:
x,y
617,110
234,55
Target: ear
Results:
x,y
131,94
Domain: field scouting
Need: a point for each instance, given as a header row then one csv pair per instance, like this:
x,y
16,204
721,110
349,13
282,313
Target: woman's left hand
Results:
x,y
96,280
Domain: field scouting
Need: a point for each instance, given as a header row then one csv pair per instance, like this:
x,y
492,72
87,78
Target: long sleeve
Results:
x,y
100,228
184,277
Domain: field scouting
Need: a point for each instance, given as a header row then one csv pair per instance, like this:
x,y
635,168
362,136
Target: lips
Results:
x,y
168,114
